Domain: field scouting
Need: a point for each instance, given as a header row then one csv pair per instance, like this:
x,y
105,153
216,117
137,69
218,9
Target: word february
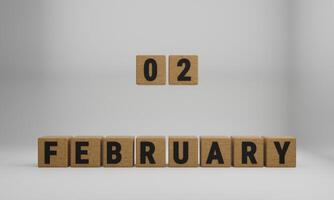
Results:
x,y
150,151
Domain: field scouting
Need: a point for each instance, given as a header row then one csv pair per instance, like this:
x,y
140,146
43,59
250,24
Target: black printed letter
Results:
x,y
48,152
185,152
250,153
79,152
147,153
113,148
215,154
281,152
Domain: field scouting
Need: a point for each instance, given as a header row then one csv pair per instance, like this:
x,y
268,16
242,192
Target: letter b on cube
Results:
x,y
118,151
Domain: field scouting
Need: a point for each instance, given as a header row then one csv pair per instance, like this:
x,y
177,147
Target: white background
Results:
x,y
68,67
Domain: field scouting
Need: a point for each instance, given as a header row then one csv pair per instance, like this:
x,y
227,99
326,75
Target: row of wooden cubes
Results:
x,y
150,151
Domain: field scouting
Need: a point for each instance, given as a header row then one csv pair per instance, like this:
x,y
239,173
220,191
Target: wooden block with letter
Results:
x,y
118,151
53,151
150,151
280,151
86,151
151,70
215,151
183,70
248,151
183,151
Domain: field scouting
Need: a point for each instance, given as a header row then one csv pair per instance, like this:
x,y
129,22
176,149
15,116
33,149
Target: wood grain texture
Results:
x,y
221,145
154,144
161,70
183,151
88,149
176,67
126,151
238,142
60,145
276,145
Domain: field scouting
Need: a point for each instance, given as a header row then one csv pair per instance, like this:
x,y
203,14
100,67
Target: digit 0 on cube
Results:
x,y
150,70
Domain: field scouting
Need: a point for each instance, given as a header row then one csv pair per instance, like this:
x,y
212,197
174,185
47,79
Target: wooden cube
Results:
x,y
183,70
53,151
280,151
151,70
150,151
215,151
118,151
183,151
86,151
248,151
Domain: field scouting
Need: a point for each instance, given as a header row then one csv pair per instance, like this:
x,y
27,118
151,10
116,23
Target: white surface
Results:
x,y
21,179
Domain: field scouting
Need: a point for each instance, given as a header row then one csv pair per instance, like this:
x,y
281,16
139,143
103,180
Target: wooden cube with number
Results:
x,y
248,151
183,70
86,151
151,70
280,151
53,151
